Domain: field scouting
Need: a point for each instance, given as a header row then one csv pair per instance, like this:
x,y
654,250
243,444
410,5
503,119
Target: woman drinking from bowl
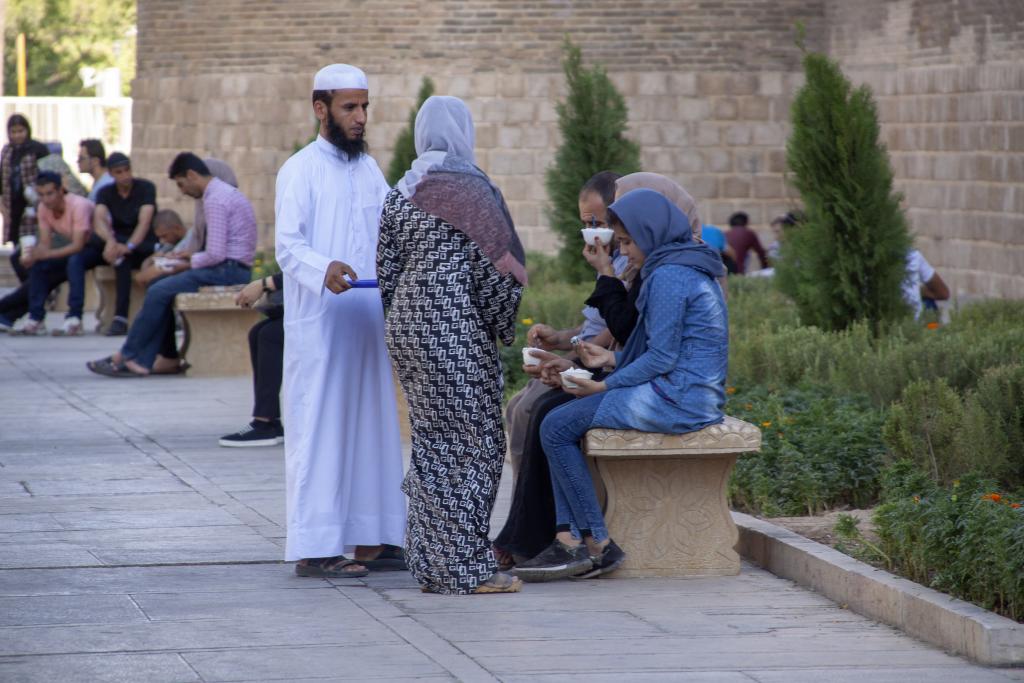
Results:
x,y
670,378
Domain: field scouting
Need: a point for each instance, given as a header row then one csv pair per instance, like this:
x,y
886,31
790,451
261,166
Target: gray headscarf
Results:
x,y
443,126
444,181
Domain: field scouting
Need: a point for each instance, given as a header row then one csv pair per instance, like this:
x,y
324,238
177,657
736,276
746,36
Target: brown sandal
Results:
x,y
500,582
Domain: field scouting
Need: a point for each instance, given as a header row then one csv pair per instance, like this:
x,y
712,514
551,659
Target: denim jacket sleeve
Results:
x,y
663,325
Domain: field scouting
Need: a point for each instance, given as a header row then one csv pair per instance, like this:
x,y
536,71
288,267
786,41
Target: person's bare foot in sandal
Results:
x,y
500,582
337,567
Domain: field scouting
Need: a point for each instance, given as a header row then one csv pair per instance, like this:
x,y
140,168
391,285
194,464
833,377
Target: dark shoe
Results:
x,y
256,433
610,559
390,558
330,568
107,368
557,561
118,328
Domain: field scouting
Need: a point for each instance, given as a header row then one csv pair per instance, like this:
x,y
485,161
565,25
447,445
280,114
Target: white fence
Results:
x,y
70,119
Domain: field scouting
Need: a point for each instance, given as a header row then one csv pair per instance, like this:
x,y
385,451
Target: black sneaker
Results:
x,y
256,433
557,561
610,559
118,328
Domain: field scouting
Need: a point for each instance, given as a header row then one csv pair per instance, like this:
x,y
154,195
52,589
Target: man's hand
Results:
x,y
335,278
599,256
535,370
250,294
585,387
549,371
594,356
113,251
28,258
543,336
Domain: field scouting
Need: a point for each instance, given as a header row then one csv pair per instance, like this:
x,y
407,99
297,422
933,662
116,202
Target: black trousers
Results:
x,y
19,270
266,349
92,253
531,519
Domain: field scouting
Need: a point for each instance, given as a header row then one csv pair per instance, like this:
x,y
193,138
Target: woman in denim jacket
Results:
x,y
670,378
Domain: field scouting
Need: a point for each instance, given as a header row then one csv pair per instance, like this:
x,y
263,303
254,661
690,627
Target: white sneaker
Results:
x,y
72,327
28,327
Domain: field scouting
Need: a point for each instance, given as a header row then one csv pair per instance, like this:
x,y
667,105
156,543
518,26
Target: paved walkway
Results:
x,y
132,548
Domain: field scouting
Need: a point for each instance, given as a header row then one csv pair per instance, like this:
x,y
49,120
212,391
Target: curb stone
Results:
x,y
924,613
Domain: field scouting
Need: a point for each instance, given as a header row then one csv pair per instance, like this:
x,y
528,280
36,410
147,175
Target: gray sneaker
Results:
x,y
557,561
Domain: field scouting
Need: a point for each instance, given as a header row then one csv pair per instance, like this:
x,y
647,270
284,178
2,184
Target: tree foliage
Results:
x,y
592,120
847,260
405,146
63,36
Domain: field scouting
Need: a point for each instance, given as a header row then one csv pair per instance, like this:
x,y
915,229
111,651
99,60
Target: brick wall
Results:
x,y
708,91
708,86
949,79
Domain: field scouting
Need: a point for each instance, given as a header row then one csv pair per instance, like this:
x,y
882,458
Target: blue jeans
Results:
x,y
576,506
43,278
88,258
155,322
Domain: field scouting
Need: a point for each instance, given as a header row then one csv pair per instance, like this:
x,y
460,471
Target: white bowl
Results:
x,y
529,359
590,235
568,375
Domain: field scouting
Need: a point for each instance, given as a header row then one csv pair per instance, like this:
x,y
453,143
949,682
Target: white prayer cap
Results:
x,y
340,77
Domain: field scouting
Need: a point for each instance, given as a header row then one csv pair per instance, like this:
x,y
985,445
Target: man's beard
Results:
x,y
336,135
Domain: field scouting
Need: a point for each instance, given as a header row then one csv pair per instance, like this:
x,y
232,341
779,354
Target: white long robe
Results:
x,y
343,456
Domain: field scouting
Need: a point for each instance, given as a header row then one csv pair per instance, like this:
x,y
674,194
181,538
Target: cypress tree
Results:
x,y
846,260
405,145
592,120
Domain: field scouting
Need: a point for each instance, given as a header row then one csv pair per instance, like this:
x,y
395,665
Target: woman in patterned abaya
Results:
x,y
451,271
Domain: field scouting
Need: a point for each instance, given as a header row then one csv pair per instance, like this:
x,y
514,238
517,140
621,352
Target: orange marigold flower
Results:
x,y
748,406
766,424
917,499
994,497
932,326
527,321
730,390
1015,505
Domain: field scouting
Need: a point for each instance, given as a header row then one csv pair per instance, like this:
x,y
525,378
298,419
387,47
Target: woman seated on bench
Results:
x,y
670,378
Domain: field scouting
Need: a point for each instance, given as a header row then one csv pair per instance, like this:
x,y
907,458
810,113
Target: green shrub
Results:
x,y
966,539
923,428
949,435
846,260
818,451
592,120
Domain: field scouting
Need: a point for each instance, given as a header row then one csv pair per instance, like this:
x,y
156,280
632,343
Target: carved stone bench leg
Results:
x,y
671,516
218,341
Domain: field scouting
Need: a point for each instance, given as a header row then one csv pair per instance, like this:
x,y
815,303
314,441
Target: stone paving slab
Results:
x,y
138,550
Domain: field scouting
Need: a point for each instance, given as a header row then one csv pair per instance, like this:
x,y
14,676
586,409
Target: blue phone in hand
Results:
x,y
363,284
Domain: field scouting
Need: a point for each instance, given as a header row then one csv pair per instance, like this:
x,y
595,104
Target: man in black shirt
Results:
x,y
122,233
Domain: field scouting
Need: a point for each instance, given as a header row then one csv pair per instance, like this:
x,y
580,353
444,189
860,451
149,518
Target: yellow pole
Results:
x,y
20,49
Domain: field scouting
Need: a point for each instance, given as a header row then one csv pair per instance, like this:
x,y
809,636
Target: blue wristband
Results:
x,y
131,247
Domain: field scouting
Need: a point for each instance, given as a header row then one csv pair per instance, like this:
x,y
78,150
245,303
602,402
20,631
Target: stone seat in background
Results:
x,y
667,504
106,286
216,332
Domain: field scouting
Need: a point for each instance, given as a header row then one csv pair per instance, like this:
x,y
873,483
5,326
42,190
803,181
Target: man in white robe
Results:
x,y
343,450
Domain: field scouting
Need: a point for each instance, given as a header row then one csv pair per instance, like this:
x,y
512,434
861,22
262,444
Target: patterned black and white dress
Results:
x,y
446,306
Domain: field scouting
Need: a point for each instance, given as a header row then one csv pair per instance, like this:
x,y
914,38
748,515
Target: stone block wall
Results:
x,y
948,77
231,80
708,88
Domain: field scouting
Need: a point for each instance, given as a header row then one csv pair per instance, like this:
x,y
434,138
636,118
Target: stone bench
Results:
x,y
667,503
106,286
216,332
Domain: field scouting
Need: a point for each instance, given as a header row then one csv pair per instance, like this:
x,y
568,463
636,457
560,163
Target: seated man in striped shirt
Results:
x,y
225,258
